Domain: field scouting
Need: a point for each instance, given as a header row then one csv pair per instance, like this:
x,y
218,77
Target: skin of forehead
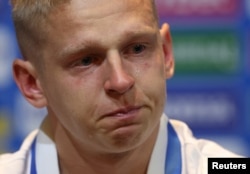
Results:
x,y
92,13
35,33
99,9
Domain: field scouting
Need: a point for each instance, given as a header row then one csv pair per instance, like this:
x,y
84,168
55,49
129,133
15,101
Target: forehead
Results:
x,y
98,21
89,11
100,6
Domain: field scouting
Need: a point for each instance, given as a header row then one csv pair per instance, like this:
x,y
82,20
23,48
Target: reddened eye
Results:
x,y
86,61
138,48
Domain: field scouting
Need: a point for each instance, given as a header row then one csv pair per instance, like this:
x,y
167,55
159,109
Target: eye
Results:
x,y
86,61
138,48
135,49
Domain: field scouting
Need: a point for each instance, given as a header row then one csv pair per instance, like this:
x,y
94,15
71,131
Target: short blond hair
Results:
x,y
29,17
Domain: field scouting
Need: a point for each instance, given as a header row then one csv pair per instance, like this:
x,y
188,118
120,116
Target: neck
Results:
x,y
75,160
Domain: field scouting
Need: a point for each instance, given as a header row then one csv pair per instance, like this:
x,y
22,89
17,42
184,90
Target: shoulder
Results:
x,y
15,162
204,147
195,152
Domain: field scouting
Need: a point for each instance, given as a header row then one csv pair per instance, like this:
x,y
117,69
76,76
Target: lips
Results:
x,y
121,121
122,112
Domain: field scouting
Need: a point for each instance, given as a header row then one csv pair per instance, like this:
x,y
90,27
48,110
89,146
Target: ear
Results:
x,y
168,50
28,83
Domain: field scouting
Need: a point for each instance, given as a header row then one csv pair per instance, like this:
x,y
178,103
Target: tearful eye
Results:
x,y
138,48
86,61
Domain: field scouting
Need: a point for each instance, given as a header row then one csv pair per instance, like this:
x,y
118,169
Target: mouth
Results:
x,y
124,116
123,112
122,122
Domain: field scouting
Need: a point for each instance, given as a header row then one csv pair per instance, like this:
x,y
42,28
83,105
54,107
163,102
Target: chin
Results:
x,y
126,140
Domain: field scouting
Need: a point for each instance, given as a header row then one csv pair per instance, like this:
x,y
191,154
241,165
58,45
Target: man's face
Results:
x,y
104,72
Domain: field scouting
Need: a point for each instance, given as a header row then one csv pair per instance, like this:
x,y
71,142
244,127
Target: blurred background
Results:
x,y
211,87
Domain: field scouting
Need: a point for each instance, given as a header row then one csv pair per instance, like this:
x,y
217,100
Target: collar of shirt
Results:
x,y
49,163
46,155
157,161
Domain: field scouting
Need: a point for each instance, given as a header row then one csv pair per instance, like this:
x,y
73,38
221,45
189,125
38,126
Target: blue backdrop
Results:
x,y
211,87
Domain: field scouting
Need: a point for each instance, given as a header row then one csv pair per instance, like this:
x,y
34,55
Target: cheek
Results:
x,y
151,80
65,97
72,109
151,70
156,73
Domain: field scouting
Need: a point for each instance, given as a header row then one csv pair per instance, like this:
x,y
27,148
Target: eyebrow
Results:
x,y
129,35
75,49
140,34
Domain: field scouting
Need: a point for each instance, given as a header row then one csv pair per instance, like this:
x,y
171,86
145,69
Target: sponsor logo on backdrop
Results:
x,y
202,109
1,5
197,7
7,54
206,52
247,5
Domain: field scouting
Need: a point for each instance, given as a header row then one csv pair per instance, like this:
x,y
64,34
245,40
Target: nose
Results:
x,y
119,81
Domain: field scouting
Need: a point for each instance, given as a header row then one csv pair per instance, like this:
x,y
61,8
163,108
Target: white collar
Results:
x,y
47,161
157,161
46,155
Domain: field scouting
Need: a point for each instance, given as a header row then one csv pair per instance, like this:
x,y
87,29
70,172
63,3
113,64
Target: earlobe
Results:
x,y
28,83
167,50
